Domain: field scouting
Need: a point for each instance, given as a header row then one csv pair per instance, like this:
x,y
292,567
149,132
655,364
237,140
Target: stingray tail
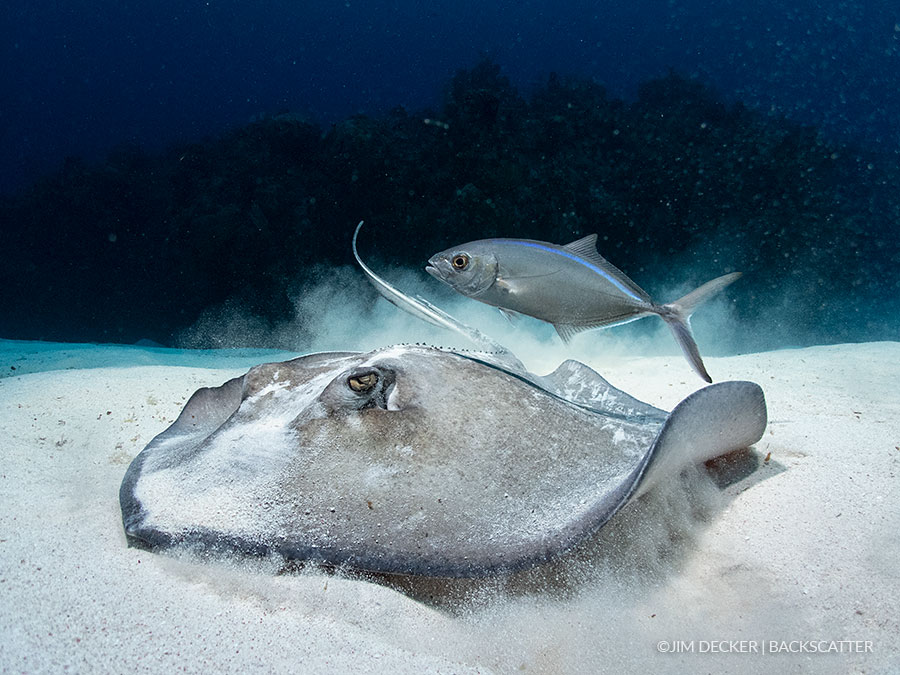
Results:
x,y
677,316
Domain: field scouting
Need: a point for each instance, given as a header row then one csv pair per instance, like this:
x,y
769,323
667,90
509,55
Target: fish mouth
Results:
x,y
434,271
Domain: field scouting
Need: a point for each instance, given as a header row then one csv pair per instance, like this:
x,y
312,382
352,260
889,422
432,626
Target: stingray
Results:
x,y
416,460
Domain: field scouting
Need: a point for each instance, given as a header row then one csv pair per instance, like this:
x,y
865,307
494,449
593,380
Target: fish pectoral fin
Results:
x,y
506,278
503,286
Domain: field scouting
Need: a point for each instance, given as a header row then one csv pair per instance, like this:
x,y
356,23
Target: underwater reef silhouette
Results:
x,y
679,184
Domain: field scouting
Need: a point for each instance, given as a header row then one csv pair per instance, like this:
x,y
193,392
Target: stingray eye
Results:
x,y
460,261
362,383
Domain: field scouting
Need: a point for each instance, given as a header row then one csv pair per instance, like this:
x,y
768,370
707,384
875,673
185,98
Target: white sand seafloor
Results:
x,y
802,554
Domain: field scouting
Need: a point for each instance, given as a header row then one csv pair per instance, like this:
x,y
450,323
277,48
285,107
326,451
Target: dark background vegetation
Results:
x,y
79,78
680,185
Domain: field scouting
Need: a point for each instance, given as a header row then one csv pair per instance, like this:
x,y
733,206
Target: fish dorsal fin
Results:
x,y
586,248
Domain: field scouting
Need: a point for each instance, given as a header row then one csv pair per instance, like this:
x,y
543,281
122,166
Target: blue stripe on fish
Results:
x,y
571,256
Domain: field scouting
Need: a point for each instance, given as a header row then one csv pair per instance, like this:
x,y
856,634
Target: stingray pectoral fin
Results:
x,y
205,411
209,407
708,423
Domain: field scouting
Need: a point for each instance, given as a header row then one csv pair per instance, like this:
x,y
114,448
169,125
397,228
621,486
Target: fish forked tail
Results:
x,y
677,316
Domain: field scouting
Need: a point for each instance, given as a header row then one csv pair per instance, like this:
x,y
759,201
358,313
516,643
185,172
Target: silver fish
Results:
x,y
572,286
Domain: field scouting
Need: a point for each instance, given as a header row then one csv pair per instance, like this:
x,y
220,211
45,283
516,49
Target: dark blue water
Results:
x,y
81,78
152,181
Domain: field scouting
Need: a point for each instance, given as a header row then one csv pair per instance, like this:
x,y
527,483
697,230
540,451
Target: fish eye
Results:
x,y
362,383
460,261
